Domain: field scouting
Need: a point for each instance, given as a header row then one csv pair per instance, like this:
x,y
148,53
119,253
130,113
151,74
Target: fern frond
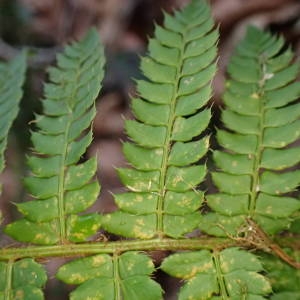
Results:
x,y
61,187
285,279
105,277
12,76
170,112
261,119
229,274
23,279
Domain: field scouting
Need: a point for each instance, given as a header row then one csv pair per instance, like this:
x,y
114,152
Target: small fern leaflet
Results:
x,y
162,200
285,279
61,188
22,279
229,274
108,277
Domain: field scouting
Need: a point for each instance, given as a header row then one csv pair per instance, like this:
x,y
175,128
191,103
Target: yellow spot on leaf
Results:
x,y
19,294
98,260
234,163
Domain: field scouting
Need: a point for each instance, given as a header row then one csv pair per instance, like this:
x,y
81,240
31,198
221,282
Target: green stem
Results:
x,y
220,276
167,146
61,183
61,208
116,276
258,155
70,250
8,280
67,250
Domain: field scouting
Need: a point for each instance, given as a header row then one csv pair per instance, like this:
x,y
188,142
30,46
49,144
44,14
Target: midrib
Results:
x,y
255,188
167,145
8,280
61,183
220,276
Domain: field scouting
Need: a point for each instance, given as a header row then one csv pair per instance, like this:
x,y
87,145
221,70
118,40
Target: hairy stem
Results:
x,y
115,247
70,250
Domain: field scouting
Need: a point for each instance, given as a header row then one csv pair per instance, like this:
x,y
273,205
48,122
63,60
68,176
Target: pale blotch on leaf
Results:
x,y
76,277
78,235
19,294
137,230
268,76
255,96
130,266
188,81
98,260
217,200
176,180
138,199
150,264
206,141
229,286
94,227
224,266
39,236
198,269
140,222
185,202
234,163
269,210
178,126
193,44
23,264
159,152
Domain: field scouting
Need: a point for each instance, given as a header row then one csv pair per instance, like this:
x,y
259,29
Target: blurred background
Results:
x,y
44,26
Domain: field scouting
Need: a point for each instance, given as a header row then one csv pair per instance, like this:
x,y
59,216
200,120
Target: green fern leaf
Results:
x,y
12,76
286,295
261,120
230,274
61,187
285,279
170,116
22,279
105,277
